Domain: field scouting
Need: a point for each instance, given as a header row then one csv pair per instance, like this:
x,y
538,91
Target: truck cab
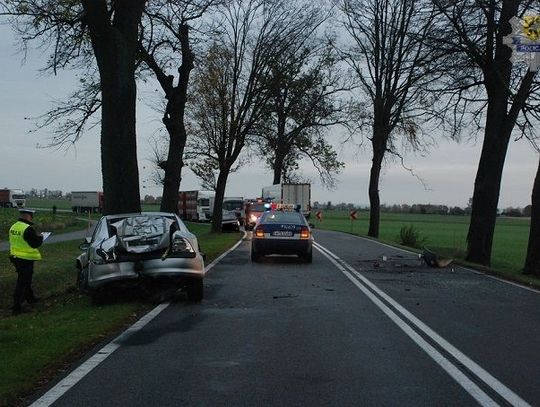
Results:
x,y
12,198
253,211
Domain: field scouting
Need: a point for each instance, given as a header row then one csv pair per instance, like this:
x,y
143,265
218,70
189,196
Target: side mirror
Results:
x,y
86,245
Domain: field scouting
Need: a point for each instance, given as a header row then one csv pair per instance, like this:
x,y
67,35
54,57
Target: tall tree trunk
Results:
x,y
115,50
500,121
282,147
173,168
379,149
278,165
174,122
532,261
217,214
487,184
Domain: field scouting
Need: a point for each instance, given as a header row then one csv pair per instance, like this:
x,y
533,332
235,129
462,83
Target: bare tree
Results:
x,y
108,32
229,97
164,42
394,68
484,84
305,86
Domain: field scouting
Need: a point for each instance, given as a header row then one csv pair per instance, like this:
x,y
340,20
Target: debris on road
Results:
x,y
432,260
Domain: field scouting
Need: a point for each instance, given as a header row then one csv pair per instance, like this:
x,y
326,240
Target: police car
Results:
x,y
282,231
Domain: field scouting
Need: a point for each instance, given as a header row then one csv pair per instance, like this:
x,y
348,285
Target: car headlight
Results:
x,y
253,218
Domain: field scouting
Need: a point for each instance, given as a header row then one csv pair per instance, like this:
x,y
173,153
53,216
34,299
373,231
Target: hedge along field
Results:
x,y
445,234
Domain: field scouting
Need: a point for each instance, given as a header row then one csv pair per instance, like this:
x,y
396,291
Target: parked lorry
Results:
x,y
12,198
195,205
232,212
298,195
87,201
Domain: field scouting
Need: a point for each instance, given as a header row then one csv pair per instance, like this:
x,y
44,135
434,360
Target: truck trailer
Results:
x,y
87,201
12,198
298,195
195,205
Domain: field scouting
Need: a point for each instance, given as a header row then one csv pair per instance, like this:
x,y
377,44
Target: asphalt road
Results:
x,y
347,330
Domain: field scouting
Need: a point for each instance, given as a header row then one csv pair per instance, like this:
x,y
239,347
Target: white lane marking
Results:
x,y
80,372
536,291
209,267
74,377
470,387
473,367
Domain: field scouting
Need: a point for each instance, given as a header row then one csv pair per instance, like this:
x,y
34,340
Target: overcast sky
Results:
x,y
448,171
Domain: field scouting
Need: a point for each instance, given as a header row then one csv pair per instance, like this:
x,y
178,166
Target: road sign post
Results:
x,y
318,215
352,215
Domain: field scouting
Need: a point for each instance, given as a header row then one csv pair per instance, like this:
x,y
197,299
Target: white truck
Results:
x,y
195,205
12,198
290,194
87,201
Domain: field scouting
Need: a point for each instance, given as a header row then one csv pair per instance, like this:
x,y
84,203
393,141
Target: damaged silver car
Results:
x,y
141,247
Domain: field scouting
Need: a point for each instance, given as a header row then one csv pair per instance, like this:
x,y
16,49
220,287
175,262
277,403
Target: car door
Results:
x,y
101,234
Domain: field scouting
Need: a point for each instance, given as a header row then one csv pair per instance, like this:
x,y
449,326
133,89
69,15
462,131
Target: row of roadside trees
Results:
x,y
241,70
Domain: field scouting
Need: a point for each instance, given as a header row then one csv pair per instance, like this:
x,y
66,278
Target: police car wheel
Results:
x,y
255,257
307,257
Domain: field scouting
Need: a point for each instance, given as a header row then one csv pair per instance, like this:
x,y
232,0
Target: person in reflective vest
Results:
x,y
23,244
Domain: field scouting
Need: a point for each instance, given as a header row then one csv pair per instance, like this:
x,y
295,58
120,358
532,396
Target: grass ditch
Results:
x,y
36,346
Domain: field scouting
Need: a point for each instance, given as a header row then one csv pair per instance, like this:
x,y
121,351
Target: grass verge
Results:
x,y
34,347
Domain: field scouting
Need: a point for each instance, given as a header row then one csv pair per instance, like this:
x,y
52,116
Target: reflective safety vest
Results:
x,y
18,246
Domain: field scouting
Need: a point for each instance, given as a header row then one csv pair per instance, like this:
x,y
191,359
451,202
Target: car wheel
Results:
x,y
195,289
99,297
82,279
308,257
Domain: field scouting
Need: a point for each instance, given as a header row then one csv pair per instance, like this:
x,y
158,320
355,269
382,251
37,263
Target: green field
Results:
x,y
43,221
445,234
66,204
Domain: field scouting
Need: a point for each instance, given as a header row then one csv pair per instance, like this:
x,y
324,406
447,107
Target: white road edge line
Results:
x,y
80,372
472,366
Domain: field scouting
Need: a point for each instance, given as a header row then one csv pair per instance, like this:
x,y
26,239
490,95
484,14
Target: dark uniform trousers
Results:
x,y
23,289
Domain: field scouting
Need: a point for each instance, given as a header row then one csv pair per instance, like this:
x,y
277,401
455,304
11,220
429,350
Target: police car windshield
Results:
x,y
283,217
